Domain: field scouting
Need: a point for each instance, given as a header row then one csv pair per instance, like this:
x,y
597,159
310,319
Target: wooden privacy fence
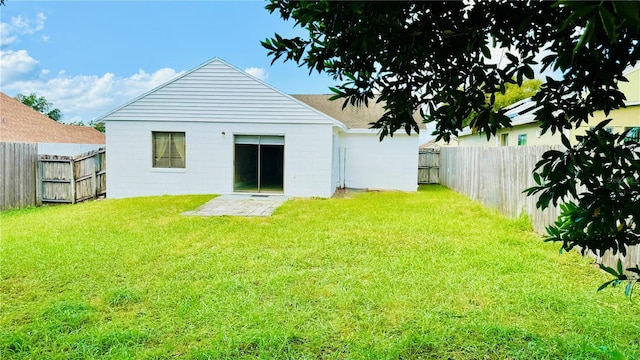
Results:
x,y
66,179
428,166
18,175
497,176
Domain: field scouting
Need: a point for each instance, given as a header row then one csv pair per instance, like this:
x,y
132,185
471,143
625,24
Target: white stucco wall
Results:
x,y
319,153
209,158
388,165
66,149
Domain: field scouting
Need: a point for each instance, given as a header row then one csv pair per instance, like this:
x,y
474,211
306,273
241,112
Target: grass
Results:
x,y
428,275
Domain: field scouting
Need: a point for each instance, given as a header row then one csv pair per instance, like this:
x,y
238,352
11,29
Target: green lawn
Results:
x,y
428,275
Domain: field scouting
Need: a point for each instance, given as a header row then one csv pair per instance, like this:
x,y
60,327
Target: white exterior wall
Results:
x,y
209,167
337,165
216,98
205,102
388,165
66,149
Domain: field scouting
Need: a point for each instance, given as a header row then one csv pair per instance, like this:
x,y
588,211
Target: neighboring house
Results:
x,y
526,131
216,129
437,145
21,123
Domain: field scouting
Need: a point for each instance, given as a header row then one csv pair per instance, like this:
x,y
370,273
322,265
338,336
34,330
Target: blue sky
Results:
x,y
88,57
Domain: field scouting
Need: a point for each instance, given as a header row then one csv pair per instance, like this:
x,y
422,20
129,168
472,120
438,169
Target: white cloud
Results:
x,y
259,73
85,97
79,97
17,25
15,65
6,37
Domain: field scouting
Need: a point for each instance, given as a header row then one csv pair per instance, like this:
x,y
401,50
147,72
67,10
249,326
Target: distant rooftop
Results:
x,y
20,123
354,117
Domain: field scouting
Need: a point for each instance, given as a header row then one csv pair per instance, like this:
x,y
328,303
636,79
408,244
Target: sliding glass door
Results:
x,y
259,163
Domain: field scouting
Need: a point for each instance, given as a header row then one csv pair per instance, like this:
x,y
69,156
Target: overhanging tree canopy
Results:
x,y
436,56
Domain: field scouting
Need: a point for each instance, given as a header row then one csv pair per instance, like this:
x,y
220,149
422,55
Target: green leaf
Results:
x,y
536,178
609,270
578,13
519,78
565,140
609,24
603,286
336,91
634,270
511,57
628,10
584,38
486,52
528,72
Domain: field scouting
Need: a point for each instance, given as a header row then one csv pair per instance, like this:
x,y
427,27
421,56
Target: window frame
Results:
x,y
522,139
170,148
504,139
635,130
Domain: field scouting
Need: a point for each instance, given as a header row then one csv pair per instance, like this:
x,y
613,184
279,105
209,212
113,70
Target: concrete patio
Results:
x,y
240,205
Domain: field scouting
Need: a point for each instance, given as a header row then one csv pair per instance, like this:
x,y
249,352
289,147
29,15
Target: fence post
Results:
x,y
94,181
38,185
73,182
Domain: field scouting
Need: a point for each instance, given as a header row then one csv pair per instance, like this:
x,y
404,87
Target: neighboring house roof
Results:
x,y
20,123
520,113
433,144
354,117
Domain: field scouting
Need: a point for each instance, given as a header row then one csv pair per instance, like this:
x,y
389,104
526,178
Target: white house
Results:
x,y
216,129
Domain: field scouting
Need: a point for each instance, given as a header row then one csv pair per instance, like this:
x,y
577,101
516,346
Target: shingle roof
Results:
x,y
353,117
20,123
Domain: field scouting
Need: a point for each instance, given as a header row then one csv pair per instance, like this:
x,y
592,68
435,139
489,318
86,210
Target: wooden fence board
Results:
x,y
428,166
66,179
496,178
28,179
17,186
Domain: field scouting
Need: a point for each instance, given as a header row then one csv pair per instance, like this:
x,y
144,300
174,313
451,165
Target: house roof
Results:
x,y
20,123
354,117
433,144
217,91
522,112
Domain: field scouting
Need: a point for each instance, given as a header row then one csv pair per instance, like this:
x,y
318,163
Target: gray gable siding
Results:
x,y
218,92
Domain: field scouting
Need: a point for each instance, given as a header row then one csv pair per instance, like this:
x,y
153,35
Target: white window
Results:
x,y
168,149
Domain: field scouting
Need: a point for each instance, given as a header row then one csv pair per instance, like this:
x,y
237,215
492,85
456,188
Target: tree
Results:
x,y
514,93
41,105
434,57
98,125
